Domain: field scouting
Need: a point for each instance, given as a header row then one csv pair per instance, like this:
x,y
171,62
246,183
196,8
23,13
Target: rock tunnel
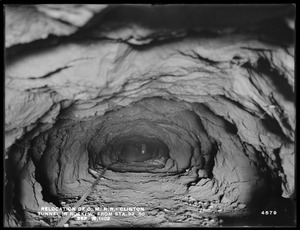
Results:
x,y
183,112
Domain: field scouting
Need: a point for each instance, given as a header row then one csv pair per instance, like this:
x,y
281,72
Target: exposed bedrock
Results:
x,y
184,113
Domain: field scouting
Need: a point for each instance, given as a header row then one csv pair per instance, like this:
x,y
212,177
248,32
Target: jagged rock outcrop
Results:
x,y
212,101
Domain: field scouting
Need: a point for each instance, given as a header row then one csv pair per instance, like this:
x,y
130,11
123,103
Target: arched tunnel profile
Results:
x,y
149,115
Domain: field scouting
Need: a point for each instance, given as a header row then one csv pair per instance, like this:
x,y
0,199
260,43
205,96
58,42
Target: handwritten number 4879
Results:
x,y
269,213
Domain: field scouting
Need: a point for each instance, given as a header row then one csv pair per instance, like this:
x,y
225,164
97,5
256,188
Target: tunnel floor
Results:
x,y
183,212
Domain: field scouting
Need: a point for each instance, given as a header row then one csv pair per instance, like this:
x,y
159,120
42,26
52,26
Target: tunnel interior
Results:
x,y
149,116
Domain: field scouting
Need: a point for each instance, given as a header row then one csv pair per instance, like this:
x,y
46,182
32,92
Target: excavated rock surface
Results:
x,y
211,100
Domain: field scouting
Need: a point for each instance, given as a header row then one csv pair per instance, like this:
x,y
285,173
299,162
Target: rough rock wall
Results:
x,y
213,96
